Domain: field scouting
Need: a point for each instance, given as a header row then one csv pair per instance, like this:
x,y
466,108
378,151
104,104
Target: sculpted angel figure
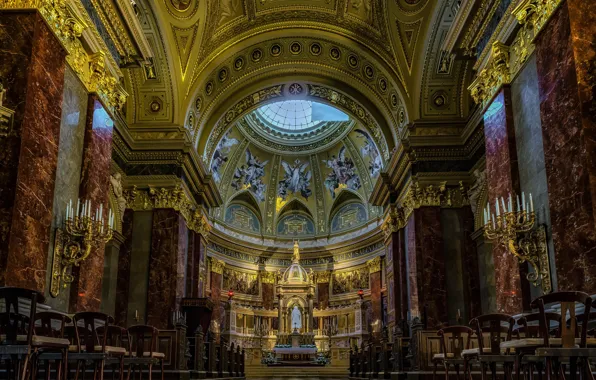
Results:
x,y
296,179
116,181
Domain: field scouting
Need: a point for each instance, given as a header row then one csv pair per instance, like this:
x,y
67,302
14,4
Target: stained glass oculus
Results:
x,y
299,115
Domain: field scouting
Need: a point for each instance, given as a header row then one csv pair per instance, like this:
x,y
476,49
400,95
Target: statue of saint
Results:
x,y
296,255
296,318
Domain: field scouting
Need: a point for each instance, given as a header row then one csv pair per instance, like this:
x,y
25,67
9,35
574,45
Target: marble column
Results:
x,y
323,290
85,292
513,294
110,274
268,290
167,264
566,67
374,268
216,275
124,261
196,260
32,64
397,287
426,266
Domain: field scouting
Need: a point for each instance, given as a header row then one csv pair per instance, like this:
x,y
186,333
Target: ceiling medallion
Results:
x,y
239,63
440,99
335,53
295,89
353,61
209,88
402,116
382,84
256,55
295,48
275,50
315,48
369,72
198,103
155,106
223,75
394,100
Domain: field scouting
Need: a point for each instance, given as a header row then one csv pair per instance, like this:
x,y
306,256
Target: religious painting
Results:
x,y
181,5
220,157
240,282
370,152
350,281
296,180
348,216
229,10
363,9
250,176
343,173
295,225
243,218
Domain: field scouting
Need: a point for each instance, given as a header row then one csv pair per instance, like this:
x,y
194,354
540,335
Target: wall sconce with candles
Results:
x,y
82,231
516,229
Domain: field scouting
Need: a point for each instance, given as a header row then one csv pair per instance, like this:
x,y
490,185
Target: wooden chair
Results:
x,y
497,328
454,340
530,338
143,343
17,331
53,346
92,346
116,337
570,343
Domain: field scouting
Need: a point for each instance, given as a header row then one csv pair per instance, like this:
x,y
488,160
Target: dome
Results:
x,y
295,274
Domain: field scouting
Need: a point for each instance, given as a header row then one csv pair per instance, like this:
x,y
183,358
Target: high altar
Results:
x,y
295,291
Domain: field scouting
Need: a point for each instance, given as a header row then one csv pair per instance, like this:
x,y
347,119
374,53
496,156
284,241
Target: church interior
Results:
x,y
270,189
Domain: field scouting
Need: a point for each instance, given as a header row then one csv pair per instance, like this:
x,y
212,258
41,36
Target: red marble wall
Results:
x,y
167,264
398,292
32,64
268,295
503,179
123,281
195,249
95,186
375,296
323,295
215,286
567,86
426,265
471,272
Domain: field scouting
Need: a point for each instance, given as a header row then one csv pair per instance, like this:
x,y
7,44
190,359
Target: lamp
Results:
x,y
230,294
84,230
515,229
361,293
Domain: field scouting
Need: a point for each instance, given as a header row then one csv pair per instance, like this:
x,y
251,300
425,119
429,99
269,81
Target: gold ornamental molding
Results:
x,y
6,115
95,69
374,265
323,277
495,75
268,277
394,221
175,198
217,265
535,13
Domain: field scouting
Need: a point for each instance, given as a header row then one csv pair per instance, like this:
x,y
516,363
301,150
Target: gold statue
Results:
x,y
296,255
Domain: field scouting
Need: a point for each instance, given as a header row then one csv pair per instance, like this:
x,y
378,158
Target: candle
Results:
x,y
485,217
494,225
531,203
510,203
518,204
503,203
101,211
497,206
524,200
67,211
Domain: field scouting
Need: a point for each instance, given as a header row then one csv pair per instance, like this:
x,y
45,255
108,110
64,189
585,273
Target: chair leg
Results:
x,y
572,368
483,370
446,371
162,369
457,371
435,370
150,371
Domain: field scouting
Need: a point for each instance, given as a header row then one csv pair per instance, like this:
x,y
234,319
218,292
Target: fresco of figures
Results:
x,y
250,176
343,172
220,157
346,282
296,180
369,149
240,282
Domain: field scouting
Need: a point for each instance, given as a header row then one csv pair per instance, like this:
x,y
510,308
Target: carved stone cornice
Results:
x,y
323,277
217,265
495,75
268,277
374,265
74,29
175,198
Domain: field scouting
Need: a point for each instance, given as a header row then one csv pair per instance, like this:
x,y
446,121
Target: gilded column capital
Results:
x,y
374,265
535,12
394,220
491,78
323,277
268,277
217,265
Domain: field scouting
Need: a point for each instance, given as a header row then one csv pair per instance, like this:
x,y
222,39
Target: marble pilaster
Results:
x,y
397,288
323,294
566,67
32,64
124,261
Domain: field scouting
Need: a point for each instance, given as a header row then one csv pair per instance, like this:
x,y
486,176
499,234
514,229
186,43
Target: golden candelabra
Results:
x,y
516,230
73,244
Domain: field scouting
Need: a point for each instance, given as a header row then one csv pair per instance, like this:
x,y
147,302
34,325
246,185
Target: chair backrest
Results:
x,y
143,338
529,324
51,324
498,327
14,322
567,301
87,323
454,340
116,336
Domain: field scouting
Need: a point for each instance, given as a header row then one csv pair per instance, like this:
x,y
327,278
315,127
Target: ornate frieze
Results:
x,y
496,74
175,198
69,24
217,265
240,281
350,281
394,220
323,277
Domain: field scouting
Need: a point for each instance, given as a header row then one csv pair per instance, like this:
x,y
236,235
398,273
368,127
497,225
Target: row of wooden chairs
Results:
x,y
29,339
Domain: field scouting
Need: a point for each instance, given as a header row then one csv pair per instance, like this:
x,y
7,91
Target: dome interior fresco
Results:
x,y
284,194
